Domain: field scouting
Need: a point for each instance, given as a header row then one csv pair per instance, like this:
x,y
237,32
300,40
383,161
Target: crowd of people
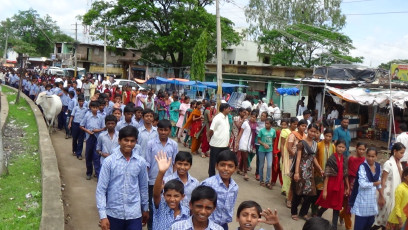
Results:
x,y
131,148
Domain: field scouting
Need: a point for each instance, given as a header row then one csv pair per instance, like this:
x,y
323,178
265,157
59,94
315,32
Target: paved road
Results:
x,y
79,194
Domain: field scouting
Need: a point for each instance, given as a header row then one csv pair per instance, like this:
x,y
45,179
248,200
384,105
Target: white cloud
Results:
x,y
376,52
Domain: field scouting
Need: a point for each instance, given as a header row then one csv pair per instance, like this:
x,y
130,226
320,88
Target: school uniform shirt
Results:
x,y
49,92
366,201
102,114
153,147
163,216
27,85
65,99
139,123
57,91
226,198
42,88
108,109
188,225
106,144
122,190
34,89
267,137
78,113
145,136
73,103
92,122
189,186
122,123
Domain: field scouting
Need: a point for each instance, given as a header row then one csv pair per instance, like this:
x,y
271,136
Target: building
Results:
x,y
121,62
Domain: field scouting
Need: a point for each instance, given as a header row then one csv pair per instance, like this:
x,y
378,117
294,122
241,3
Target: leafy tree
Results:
x,y
300,33
387,66
199,57
166,31
30,33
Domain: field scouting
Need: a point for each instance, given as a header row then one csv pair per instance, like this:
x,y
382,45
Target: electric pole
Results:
x,y
219,56
76,48
104,56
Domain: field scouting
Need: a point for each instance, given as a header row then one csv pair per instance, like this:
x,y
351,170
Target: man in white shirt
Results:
x,y
246,104
403,138
220,135
263,107
334,114
277,114
106,82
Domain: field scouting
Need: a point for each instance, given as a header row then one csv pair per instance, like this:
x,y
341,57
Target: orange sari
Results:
x,y
195,129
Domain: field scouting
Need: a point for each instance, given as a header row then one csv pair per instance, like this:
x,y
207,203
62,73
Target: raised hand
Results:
x,y
271,217
163,162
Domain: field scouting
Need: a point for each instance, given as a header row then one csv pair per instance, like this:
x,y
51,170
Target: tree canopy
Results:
x,y
166,31
300,33
30,33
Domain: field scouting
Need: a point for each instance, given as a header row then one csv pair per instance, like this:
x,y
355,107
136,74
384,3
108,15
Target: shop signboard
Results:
x,y
399,72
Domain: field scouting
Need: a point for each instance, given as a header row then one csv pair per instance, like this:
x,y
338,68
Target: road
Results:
x,y
79,194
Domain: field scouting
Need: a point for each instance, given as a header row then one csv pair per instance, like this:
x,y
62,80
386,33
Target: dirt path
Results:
x,y
79,194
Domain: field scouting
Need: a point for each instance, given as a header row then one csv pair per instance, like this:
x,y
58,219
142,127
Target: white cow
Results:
x,y
51,106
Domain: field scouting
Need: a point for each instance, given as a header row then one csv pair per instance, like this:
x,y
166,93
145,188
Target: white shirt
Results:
x,y
246,104
79,84
403,138
58,79
221,128
262,108
333,115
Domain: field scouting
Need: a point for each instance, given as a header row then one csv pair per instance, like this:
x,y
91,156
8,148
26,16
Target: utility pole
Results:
x,y
21,61
104,55
219,56
76,47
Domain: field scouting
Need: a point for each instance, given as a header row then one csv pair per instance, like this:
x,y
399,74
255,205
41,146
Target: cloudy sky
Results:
x,y
377,37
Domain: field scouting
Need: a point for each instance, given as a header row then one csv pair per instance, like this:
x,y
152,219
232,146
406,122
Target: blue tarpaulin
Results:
x,y
158,81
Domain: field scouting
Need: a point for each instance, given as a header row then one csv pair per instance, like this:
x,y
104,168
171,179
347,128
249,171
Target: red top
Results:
x,y
276,143
353,164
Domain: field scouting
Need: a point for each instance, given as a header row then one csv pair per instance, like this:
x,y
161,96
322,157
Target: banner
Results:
x,y
399,72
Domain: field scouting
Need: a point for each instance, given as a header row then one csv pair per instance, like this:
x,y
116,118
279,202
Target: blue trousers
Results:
x,y
118,224
225,226
78,136
32,97
150,221
262,156
91,157
62,117
363,222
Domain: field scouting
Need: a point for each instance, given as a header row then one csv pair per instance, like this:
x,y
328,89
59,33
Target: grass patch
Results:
x,y
20,190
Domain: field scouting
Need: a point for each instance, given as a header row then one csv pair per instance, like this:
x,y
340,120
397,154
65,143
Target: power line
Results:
x,y
377,13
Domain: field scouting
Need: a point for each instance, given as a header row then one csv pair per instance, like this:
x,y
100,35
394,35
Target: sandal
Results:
x,y
185,144
288,204
203,155
268,185
262,184
305,217
246,177
295,217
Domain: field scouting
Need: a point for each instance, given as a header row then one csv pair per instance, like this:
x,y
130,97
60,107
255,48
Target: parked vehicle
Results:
x,y
70,72
122,82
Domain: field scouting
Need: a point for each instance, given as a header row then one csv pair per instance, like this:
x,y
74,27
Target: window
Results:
x,y
96,51
239,62
233,62
266,60
134,55
245,63
123,54
230,62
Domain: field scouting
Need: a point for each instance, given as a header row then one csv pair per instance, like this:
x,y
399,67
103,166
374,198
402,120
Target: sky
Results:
x,y
379,38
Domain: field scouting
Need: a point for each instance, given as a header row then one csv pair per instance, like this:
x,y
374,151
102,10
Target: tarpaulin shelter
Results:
x,y
348,74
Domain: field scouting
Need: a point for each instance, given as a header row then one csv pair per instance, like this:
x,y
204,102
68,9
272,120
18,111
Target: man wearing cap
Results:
x,y
141,97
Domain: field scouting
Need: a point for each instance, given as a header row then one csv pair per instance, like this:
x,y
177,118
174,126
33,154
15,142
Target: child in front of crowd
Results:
x,y
133,211
363,199
183,163
202,205
266,138
48,90
107,140
146,131
353,165
250,213
225,187
335,183
127,113
92,125
167,209
161,143
246,142
397,218
77,115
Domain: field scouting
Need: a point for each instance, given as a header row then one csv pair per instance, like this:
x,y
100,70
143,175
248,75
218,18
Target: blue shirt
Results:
x,y
108,108
92,122
188,225
163,216
189,186
226,198
121,124
72,103
65,99
49,92
153,147
34,89
102,114
27,85
145,136
139,123
42,88
340,133
122,190
106,144
57,91
366,200
78,113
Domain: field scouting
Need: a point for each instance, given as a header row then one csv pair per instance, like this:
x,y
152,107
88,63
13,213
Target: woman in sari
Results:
x,y
161,107
194,123
205,145
174,114
390,179
289,139
238,121
186,116
167,103
185,105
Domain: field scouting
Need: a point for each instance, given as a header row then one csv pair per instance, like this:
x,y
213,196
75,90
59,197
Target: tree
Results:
x,y
166,31
387,66
199,57
300,33
30,33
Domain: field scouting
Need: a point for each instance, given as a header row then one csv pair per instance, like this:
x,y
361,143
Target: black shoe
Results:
x,y
79,158
66,136
88,177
